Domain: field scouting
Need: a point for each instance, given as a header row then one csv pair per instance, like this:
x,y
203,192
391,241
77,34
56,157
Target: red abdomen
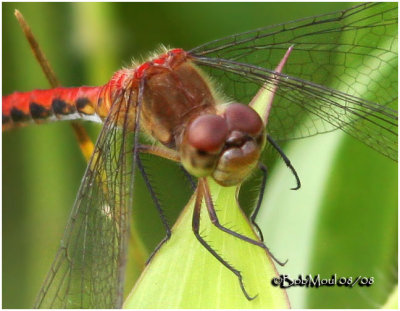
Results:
x,y
39,106
172,88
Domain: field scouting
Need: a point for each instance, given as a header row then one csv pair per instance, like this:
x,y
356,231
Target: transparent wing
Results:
x,y
89,267
341,73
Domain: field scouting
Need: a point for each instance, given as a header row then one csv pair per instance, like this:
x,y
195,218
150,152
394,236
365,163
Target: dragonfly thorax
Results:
x,y
225,145
180,110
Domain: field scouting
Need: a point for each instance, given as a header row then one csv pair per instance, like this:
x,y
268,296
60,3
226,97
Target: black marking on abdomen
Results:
x,y
38,112
61,107
83,105
18,116
5,119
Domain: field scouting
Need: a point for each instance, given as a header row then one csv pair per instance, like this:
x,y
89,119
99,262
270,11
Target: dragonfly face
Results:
x,y
225,146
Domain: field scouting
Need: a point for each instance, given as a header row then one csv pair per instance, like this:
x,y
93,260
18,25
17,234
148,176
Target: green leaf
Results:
x,y
183,274
344,218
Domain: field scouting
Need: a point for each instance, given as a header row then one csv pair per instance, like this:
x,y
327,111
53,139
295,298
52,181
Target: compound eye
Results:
x,y
243,118
207,133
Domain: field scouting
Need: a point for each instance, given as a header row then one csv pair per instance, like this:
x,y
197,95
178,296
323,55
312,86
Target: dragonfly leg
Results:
x,y
196,228
189,177
161,152
158,206
286,160
214,219
254,214
142,148
170,155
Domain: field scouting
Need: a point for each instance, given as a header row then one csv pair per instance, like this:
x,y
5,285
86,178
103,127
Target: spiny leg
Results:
x,y
196,228
136,151
215,221
158,206
264,171
166,154
254,214
189,178
160,151
170,155
286,160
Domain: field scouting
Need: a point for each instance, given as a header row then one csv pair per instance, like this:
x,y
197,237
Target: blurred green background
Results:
x,y
344,220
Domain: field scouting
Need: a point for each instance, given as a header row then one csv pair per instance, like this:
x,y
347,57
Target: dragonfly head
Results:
x,y
225,145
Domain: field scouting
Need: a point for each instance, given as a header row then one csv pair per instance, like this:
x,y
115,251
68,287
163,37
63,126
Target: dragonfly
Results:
x,y
241,61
